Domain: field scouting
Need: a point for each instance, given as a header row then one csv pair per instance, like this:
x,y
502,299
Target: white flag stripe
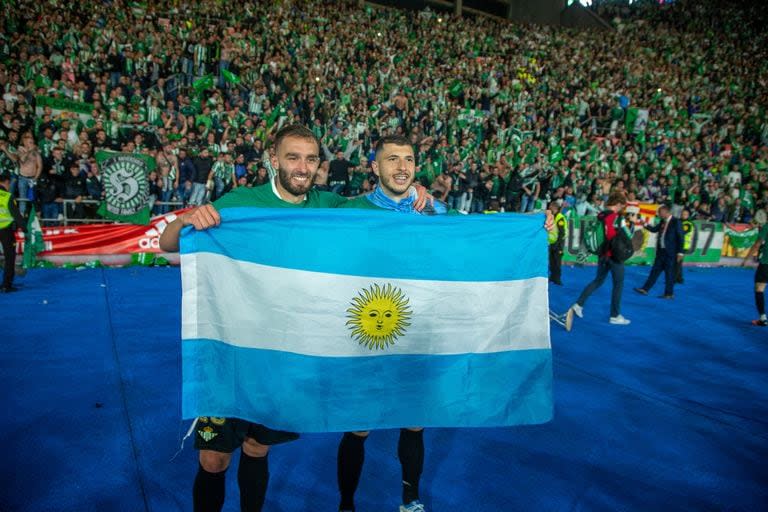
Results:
x,y
189,297
306,312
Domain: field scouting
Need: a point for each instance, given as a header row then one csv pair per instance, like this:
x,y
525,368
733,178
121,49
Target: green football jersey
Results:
x,y
264,197
763,235
362,203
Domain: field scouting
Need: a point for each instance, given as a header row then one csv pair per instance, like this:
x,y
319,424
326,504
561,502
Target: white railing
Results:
x,y
63,219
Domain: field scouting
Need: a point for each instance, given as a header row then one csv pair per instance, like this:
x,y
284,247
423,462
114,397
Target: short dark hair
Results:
x,y
397,140
295,130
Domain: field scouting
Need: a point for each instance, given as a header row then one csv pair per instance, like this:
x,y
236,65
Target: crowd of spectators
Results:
x,y
669,105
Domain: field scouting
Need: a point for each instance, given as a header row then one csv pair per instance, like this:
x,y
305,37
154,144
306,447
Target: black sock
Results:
x,y
208,491
410,451
760,302
252,478
349,466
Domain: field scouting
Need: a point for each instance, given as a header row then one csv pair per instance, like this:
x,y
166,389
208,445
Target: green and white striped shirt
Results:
x,y
223,170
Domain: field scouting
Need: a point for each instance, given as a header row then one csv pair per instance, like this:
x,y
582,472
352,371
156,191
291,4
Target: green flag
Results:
x,y
741,239
125,186
33,240
556,154
636,120
629,120
275,115
230,77
594,154
202,84
456,88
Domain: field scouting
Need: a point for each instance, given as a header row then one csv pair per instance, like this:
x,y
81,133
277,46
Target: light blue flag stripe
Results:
x,y
329,394
379,244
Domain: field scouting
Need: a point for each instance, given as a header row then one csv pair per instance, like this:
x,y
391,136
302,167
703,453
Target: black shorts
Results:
x,y
227,434
761,274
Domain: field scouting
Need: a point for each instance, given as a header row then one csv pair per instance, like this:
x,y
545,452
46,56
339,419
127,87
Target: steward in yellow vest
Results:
x,y
9,214
556,243
688,231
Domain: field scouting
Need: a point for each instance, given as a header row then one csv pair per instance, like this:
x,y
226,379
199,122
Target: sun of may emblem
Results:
x,y
379,314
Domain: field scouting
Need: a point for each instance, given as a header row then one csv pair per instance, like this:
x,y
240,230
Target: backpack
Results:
x,y
621,246
594,240
594,236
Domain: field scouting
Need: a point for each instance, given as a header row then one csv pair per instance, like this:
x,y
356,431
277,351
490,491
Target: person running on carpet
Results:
x,y
612,221
760,249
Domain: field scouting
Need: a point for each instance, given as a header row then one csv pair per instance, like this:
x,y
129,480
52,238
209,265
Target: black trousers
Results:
x,y
679,272
663,263
8,241
555,263
606,266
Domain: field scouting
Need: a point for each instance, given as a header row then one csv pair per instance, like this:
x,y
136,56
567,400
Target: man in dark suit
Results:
x,y
669,249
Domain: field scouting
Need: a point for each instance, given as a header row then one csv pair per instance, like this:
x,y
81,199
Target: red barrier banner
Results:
x,y
99,239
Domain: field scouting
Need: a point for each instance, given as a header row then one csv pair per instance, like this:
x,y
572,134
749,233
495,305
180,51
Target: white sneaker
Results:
x,y
619,320
569,320
578,310
414,506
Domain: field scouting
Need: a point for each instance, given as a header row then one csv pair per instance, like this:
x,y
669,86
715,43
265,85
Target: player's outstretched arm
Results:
x,y
202,217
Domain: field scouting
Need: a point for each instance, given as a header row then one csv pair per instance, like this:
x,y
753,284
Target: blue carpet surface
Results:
x,y
668,413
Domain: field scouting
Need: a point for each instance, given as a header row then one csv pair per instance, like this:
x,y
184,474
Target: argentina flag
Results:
x,y
322,320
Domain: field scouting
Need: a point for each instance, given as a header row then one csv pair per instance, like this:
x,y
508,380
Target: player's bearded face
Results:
x,y
297,163
296,181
